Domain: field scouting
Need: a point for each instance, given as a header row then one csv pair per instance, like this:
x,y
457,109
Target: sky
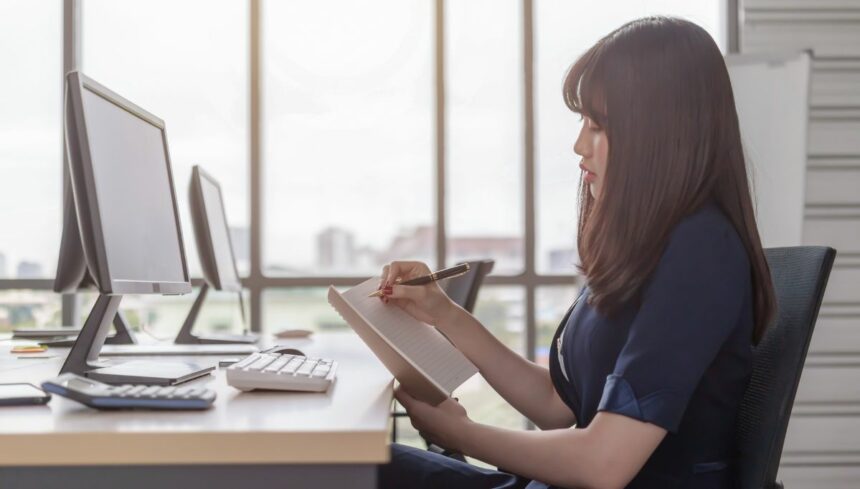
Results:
x,y
348,107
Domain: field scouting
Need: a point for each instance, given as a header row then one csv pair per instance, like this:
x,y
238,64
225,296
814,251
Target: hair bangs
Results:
x,y
583,89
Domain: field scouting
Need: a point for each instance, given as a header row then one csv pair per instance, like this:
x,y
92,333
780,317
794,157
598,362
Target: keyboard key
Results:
x,y
120,389
306,368
247,361
320,371
276,365
262,362
292,366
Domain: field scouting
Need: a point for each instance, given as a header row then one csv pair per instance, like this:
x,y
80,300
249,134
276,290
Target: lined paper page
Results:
x,y
420,343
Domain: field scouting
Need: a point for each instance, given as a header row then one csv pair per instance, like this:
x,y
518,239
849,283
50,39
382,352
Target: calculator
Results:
x,y
129,396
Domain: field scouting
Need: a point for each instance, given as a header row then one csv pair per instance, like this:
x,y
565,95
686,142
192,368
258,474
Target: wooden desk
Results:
x,y
279,439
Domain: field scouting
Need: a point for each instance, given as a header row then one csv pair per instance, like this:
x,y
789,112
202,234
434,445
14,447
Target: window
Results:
x,y
160,316
300,308
23,308
484,136
30,138
187,63
348,135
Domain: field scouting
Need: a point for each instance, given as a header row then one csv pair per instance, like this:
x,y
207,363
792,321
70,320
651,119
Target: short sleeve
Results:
x,y
689,307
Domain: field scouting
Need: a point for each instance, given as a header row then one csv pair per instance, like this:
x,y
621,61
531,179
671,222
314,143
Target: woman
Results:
x,y
649,366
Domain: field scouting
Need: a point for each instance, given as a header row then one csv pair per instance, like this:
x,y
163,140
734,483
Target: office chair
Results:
x,y
463,290
799,278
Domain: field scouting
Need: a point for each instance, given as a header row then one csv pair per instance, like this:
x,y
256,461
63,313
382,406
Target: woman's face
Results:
x,y
593,146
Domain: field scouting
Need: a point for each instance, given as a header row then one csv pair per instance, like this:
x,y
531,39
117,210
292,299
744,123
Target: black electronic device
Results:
x,y
217,260
22,395
127,219
127,396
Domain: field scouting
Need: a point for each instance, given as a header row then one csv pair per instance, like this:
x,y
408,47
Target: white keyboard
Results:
x,y
282,371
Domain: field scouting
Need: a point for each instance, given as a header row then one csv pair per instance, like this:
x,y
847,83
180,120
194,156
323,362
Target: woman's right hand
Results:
x,y
427,303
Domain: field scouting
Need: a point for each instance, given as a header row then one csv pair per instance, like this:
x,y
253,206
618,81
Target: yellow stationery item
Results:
x,y
29,349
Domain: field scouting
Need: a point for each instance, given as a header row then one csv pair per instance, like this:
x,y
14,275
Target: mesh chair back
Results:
x,y
464,289
799,277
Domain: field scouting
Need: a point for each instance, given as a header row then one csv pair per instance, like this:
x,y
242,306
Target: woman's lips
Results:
x,y
589,175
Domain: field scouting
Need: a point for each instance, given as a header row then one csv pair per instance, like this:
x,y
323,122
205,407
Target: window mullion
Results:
x,y
439,65
255,282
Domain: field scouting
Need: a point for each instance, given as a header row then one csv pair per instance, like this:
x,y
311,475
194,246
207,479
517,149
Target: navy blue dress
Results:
x,y
679,358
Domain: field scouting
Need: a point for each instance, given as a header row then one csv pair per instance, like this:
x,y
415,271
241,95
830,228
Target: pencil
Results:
x,y
452,272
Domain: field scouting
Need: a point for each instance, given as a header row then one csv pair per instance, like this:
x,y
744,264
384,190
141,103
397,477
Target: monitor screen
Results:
x,y
134,194
219,236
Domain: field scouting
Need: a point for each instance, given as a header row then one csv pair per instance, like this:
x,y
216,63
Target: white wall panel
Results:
x,y
834,187
840,233
822,447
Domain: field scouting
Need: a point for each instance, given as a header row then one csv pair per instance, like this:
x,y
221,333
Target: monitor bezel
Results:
x,y
203,231
85,196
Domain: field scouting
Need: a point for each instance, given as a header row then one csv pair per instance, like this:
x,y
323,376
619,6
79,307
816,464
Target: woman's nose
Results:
x,y
580,147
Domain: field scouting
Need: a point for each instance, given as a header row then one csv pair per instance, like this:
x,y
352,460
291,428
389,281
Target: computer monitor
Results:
x,y
72,276
119,167
217,260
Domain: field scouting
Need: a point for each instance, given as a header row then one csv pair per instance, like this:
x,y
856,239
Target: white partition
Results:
x,y
772,99
820,452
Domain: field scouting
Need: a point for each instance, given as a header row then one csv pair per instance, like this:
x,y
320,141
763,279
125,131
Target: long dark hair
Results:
x,y
660,88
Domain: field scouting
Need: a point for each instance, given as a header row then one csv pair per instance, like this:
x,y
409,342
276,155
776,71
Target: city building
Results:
x,y
30,269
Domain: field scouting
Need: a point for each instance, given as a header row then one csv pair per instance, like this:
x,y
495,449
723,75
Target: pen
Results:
x,y
452,272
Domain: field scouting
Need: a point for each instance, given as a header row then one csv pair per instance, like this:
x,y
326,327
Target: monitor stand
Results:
x,y
67,336
122,332
186,337
84,360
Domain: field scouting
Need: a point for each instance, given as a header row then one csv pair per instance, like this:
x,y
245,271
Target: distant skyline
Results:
x,y
338,251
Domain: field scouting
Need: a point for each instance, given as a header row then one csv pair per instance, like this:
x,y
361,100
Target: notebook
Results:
x,y
425,363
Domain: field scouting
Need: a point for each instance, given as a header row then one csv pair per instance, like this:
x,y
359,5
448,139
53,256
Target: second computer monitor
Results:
x,y
216,258
212,232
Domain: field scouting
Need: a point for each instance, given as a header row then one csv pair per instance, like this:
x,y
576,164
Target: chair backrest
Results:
x,y
799,278
464,289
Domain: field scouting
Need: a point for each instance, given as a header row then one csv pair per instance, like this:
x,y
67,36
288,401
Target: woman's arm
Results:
x,y
605,455
525,385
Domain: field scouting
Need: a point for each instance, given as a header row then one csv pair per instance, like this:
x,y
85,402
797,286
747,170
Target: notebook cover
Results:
x,y
416,383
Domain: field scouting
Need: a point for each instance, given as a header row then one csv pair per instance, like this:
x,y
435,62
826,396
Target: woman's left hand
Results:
x,y
443,425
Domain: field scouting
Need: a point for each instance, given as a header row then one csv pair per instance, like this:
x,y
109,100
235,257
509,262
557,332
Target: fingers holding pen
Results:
x,y
398,271
383,277
416,294
385,281
394,273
